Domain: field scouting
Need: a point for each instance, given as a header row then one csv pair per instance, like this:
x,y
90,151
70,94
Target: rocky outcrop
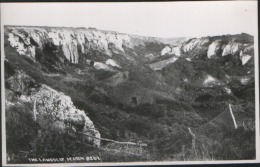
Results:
x,y
99,66
23,48
244,58
166,50
231,48
53,110
71,42
210,81
213,49
171,50
111,62
195,43
161,64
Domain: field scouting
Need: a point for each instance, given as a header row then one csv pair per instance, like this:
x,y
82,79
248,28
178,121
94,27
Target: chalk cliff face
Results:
x,y
195,43
213,47
171,51
71,42
224,47
231,48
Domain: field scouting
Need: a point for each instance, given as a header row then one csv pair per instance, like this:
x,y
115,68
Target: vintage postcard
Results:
x,y
130,83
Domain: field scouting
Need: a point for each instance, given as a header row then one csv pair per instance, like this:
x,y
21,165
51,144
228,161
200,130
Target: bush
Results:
x,y
20,128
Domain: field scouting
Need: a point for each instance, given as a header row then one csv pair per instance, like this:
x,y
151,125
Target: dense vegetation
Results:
x,y
153,107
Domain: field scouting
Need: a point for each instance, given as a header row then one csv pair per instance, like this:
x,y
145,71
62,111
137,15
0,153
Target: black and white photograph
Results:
x,y
129,83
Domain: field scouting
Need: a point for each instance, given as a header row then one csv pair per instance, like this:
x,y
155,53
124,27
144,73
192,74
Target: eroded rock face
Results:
x,y
213,49
53,110
23,48
166,50
210,81
193,43
99,66
112,63
244,58
70,41
231,48
171,50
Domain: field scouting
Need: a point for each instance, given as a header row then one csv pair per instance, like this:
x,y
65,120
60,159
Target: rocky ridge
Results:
x,y
71,42
213,48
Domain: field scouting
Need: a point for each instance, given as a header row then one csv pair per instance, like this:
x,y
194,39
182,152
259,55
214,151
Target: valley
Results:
x,y
173,95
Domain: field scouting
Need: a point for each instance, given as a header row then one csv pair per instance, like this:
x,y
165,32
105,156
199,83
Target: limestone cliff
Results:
x,y
215,47
71,42
195,43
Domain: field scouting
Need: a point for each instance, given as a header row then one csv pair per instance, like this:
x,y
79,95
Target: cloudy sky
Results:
x,y
164,19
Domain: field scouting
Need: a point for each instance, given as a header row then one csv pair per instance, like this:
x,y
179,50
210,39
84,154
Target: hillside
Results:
x,y
61,83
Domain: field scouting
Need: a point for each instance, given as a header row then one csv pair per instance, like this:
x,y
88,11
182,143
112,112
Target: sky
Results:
x,y
157,19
